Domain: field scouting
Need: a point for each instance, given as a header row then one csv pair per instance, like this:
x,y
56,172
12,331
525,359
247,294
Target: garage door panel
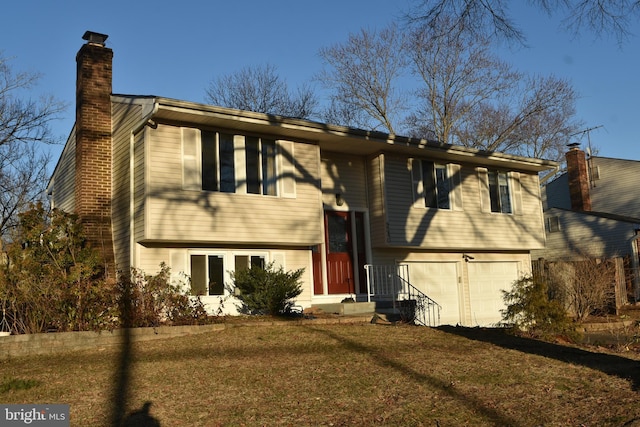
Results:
x,y
487,280
439,281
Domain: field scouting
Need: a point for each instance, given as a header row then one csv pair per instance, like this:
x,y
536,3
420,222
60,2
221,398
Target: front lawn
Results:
x,y
338,375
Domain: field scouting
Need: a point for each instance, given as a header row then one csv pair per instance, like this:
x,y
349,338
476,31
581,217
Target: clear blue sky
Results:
x,y
174,49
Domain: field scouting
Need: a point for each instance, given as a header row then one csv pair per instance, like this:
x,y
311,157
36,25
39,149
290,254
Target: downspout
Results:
x,y
146,120
635,265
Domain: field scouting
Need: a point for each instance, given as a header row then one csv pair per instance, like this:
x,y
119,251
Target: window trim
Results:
x,y
282,180
553,224
228,262
514,187
453,184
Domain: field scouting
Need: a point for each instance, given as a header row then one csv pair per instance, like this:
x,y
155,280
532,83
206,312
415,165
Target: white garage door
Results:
x,y
486,282
439,281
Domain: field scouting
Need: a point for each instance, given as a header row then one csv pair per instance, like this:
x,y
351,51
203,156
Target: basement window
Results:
x,y
209,271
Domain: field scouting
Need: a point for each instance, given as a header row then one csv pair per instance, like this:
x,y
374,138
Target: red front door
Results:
x,y
339,246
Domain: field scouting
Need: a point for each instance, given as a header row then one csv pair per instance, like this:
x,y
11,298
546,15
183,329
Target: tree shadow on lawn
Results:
x,y
470,401
610,364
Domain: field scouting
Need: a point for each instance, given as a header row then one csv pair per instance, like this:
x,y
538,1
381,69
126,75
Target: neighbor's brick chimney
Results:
x,y
93,144
578,179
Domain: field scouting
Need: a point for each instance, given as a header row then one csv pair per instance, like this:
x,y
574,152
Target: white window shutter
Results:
x,y
516,192
179,264
191,160
240,162
417,184
483,182
455,180
278,259
287,169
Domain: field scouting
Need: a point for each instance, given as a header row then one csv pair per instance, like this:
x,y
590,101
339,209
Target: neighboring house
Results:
x,y
208,190
593,210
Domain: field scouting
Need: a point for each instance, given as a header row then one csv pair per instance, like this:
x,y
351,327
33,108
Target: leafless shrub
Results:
x,y
586,286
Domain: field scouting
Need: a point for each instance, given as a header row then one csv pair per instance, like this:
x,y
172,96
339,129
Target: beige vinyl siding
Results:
x,y
125,116
555,194
64,177
200,216
294,260
150,259
616,188
470,228
613,189
140,179
345,175
582,234
376,201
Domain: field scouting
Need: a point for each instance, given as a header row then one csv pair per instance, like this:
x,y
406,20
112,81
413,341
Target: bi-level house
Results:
x,y
593,210
208,190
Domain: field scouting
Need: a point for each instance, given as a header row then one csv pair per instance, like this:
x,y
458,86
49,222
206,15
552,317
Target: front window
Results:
x,y
260,155
207,274
229,163
208,270
499,192
218,164
436,185
432,184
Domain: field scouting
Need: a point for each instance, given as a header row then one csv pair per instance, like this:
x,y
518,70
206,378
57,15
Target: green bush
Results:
x,y
530,309
267,290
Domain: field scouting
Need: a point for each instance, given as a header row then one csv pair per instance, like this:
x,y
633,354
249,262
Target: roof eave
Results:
x,y
331,137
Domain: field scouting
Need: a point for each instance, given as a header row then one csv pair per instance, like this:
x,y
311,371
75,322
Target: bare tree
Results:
x,y
534,119
345,114
260,89
458,74
24,125
23,177
492,18
362,76
470,97
465,95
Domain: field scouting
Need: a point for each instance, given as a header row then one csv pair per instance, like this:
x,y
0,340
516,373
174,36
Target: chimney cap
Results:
x,y
574,145
95,38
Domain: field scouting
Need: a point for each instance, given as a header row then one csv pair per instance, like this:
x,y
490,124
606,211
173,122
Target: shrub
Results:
x,y
531,309
267,290
587,286
151,300
51,280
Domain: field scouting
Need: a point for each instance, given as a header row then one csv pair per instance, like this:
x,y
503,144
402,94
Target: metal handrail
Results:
x,y
392,281
427,310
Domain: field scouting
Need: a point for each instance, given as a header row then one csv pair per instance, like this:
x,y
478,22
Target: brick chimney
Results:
x,y
578,179
93,144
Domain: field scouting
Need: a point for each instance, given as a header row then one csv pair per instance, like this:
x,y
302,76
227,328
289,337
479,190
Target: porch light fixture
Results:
x,y
339,199
467,257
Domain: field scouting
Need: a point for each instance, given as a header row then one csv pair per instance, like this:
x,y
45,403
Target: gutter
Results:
x,y
146,120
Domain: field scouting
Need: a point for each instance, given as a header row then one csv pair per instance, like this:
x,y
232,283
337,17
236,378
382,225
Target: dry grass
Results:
x,y
341,375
